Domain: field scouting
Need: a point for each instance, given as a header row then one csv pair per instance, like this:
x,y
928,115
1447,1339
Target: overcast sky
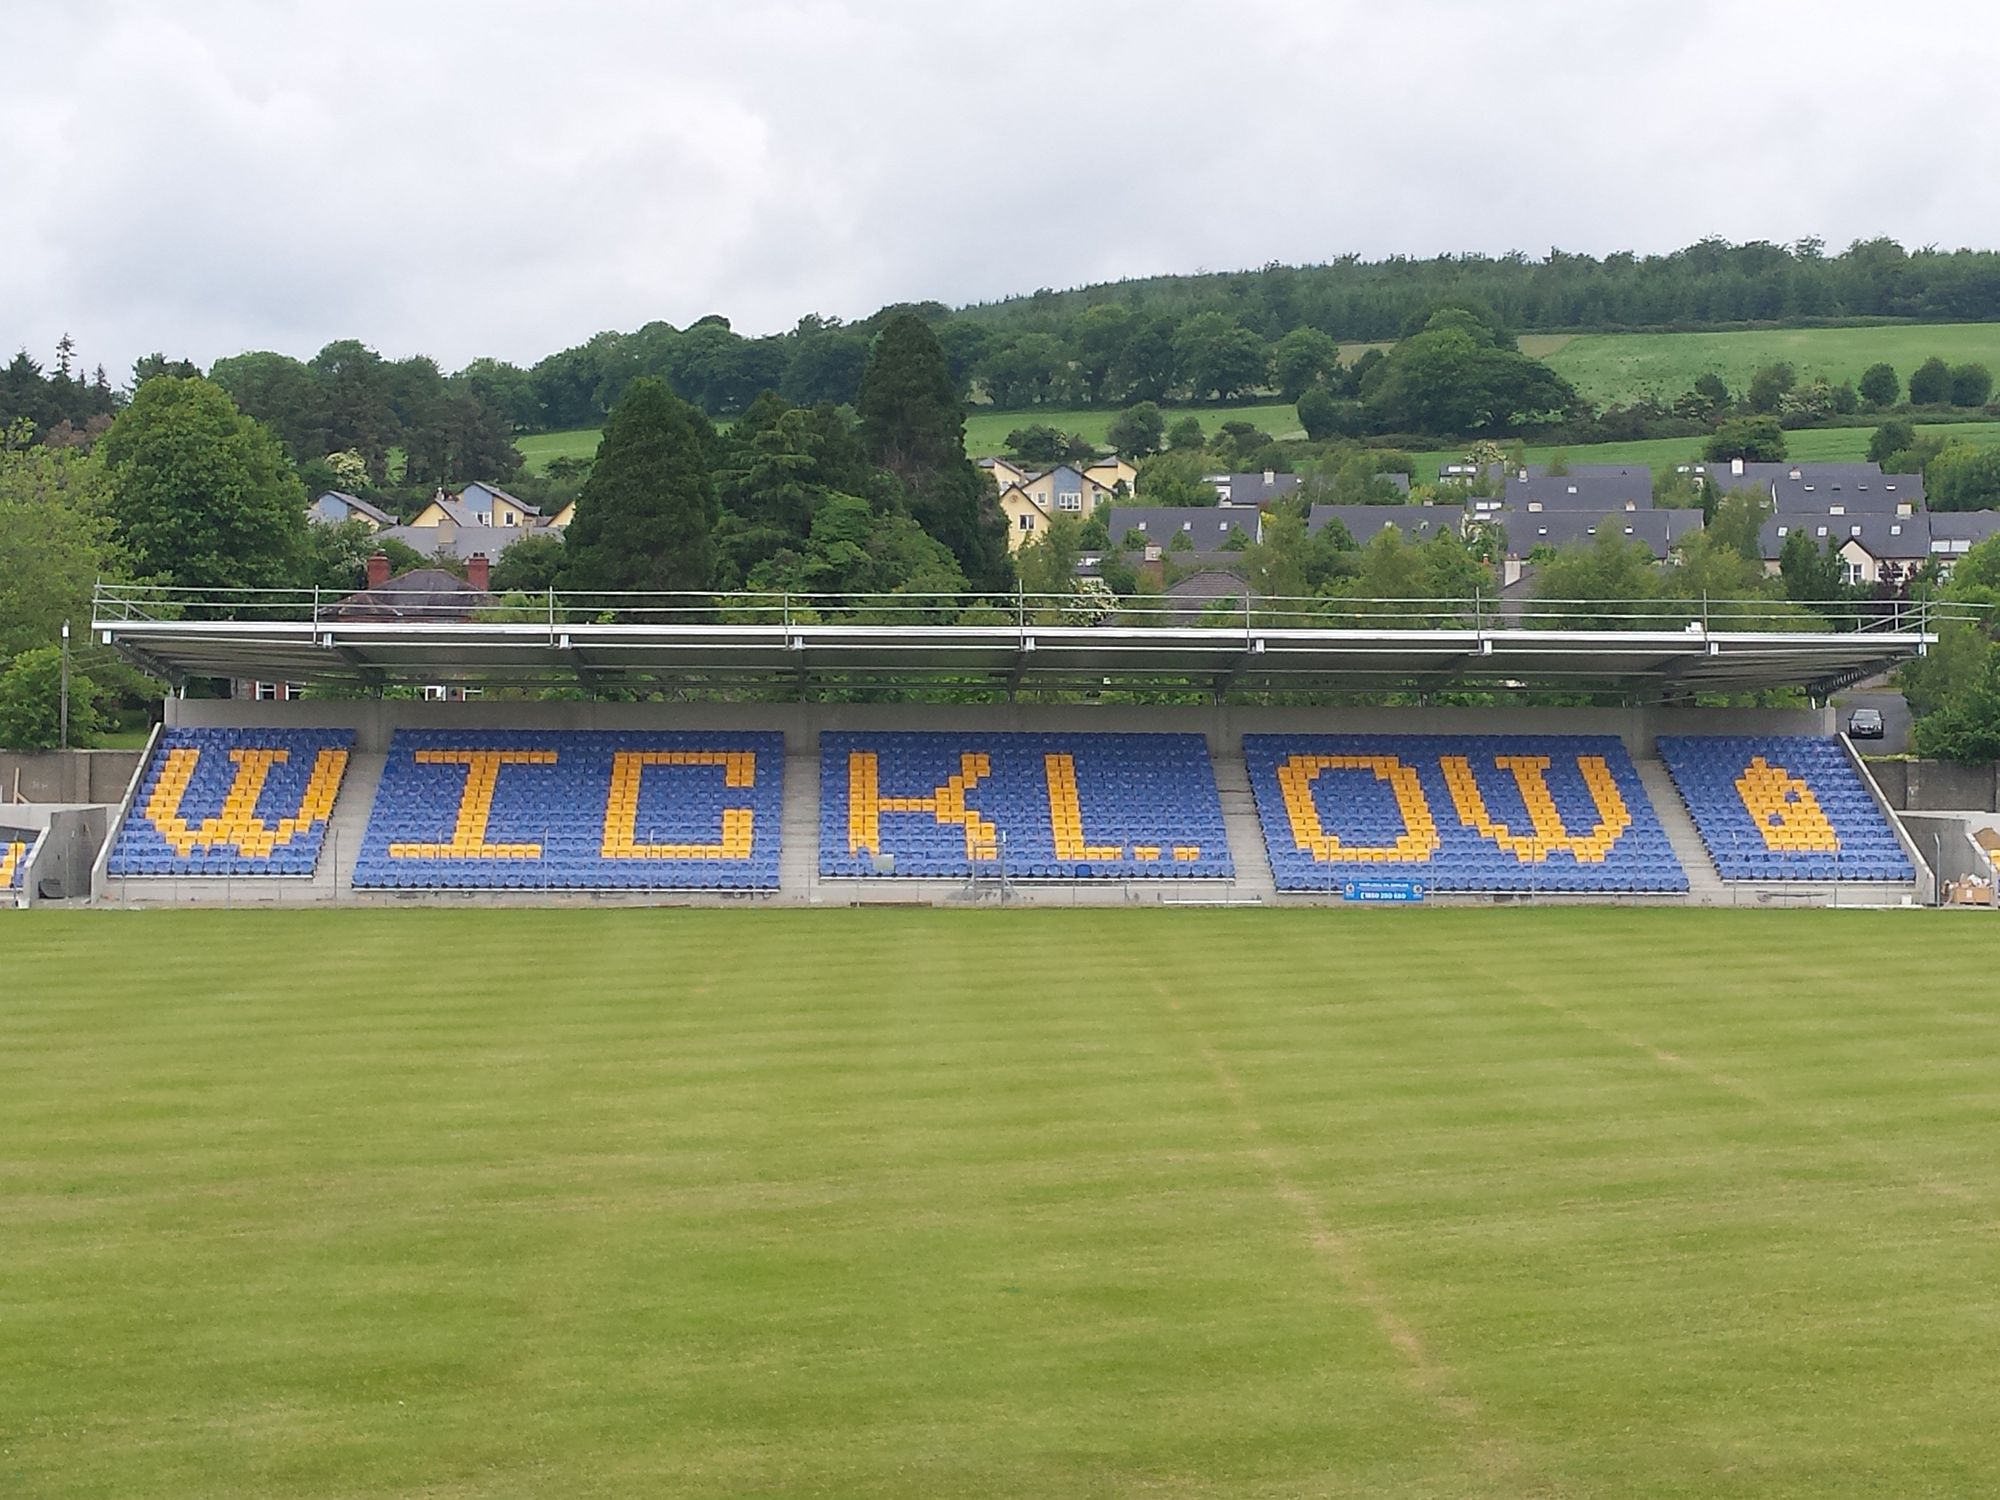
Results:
x,y
508,177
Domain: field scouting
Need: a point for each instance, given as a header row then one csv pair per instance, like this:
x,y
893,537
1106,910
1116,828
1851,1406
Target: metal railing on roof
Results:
x,y
120,603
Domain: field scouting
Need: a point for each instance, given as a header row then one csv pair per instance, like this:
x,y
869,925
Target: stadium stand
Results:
x,y
233,802
576,810
1782,807
14,846
1031,806
1459,813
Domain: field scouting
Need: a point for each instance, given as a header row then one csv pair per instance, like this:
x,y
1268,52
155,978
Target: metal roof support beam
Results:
x,y
1020,671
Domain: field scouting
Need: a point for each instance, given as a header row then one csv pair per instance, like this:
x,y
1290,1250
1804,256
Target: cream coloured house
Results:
x,y
1032,503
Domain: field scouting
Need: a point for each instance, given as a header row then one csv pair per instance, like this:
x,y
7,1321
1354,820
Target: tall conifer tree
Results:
x,y
646,516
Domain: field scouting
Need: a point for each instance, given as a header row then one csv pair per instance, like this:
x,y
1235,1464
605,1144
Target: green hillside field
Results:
x,y
1608,368
1813,445
1394,1204
1617,367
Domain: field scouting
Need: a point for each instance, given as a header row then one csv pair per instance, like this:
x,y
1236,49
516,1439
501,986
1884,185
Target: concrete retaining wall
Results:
x,y
1224,725
72,777
60,870
1947,843
1937,785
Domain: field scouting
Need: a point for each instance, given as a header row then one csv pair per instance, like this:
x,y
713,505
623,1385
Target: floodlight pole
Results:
x,y
63,710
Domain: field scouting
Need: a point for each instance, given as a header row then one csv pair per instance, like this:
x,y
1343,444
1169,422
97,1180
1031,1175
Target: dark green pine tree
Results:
x,y
913,425
646,516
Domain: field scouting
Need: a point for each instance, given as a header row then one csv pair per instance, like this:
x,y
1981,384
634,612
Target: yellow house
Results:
x,y
562,518
479,504
1031,504
1113,471
1006,471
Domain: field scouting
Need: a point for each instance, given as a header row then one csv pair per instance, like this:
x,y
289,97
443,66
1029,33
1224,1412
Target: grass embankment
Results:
x,y
530,1203
1608,368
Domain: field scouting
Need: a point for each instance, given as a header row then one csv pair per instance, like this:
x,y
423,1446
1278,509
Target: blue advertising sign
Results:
x,y
1382,890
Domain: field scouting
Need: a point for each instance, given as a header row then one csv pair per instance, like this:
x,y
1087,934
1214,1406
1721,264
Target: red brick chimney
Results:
x,y
378,570
477,571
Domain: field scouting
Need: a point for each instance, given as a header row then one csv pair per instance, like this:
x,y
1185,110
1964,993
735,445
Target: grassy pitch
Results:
x,y
1284,1203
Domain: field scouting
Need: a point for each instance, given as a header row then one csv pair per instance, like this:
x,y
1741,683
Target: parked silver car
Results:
x,y
1865,724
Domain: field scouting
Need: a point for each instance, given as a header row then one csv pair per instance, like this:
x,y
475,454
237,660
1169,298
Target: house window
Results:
x,y
1783,530
1027,523
1070,500
1851,573
1821,531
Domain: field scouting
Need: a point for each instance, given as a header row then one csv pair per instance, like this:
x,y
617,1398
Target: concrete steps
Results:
x,y
798,849
334,879
1254,881
1705,884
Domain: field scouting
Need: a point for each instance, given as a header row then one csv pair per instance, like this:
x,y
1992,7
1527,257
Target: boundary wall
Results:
x,y
1937,786
69,777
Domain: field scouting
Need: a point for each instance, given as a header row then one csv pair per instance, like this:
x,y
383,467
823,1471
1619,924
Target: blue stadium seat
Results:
x,y
1037,806
1459,813
576,810
14,846
1783,807
235,802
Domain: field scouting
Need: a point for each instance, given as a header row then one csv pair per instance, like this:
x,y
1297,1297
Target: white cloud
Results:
x,y
510,177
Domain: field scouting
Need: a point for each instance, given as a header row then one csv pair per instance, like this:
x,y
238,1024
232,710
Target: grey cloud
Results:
x,y
509,177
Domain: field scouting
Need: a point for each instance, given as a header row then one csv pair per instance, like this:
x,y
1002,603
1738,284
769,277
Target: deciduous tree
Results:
x,y
1755,439
203,497
1880,386
1971,385
1931,384
1138,430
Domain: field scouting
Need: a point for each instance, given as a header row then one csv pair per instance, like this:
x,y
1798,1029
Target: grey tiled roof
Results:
x,y
1883,535
1365,522
1815,490
420,594
1964,525
356,505
1660,530
1207,528
1250,489
1583,492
